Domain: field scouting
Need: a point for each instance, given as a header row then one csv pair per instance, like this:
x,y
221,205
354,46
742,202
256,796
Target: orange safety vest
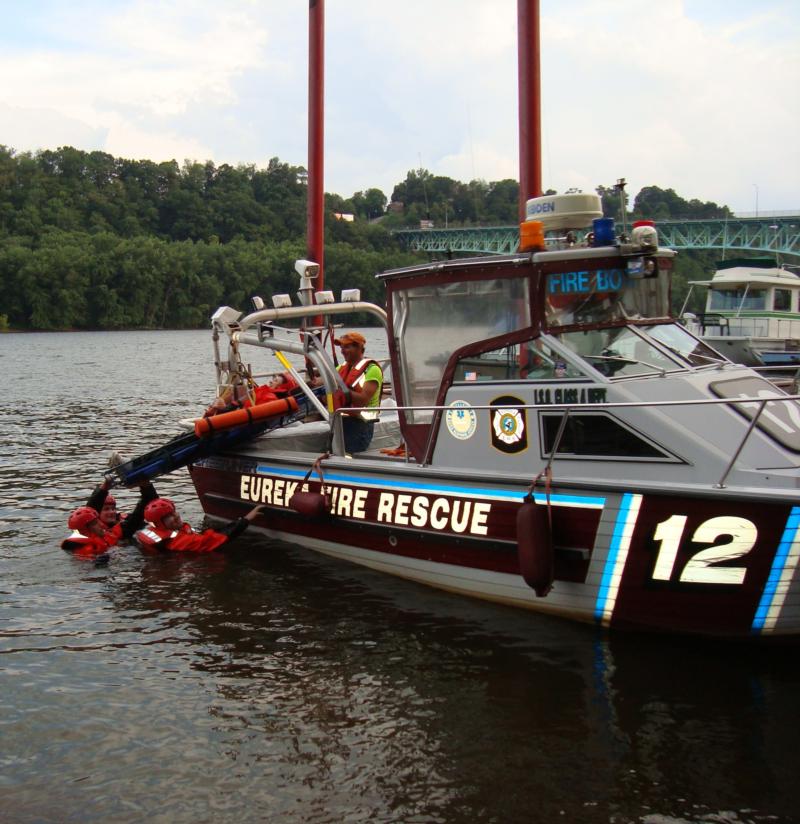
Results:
x,y
90,546
354,377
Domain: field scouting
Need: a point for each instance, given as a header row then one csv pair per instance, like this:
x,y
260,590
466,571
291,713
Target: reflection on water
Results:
x,y
268,683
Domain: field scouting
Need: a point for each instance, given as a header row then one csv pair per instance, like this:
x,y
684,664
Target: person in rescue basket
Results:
x,y
166,530
96,527
364,378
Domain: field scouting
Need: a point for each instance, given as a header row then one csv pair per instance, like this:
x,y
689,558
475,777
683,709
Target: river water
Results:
x,y
267,683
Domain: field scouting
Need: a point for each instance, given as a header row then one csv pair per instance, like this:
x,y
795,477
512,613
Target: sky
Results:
x,y
701,96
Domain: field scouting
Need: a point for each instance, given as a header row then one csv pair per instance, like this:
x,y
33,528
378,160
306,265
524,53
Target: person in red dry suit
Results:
x,y
97,527
166,530
238,397
106,504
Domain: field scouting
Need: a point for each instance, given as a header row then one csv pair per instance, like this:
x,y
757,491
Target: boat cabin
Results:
x,y
561,316
756,301
530,349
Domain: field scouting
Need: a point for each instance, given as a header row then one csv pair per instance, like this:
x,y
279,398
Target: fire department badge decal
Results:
x,y
509,425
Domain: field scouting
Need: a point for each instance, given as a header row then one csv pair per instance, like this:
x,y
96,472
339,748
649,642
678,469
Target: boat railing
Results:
x,y
772,326
760,403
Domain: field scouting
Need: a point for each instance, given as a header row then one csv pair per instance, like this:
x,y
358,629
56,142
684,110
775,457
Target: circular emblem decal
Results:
x,y
461,420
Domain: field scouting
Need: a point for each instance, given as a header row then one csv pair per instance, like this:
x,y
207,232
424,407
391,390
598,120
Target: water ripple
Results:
x,y
270,684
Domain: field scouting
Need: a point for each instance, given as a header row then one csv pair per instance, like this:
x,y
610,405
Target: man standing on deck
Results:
x,y
364,378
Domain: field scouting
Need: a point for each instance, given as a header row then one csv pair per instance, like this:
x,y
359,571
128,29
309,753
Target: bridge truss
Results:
x,y
770,235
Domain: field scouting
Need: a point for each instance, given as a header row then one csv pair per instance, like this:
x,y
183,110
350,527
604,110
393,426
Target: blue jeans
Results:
x,y
357,433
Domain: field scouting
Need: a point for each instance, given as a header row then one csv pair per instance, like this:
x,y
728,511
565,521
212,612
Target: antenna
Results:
x,y
424,188
620,187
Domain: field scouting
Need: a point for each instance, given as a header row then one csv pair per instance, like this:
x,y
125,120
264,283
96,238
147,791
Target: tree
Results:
x,y
665,204
92,241
610,199
369,204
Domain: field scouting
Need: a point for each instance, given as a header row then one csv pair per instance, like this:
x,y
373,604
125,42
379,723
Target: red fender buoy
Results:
x,y
535,546
205,426
313,501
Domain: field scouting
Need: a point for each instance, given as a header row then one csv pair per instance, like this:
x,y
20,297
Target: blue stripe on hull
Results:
x,y
774,595
588,501
617,555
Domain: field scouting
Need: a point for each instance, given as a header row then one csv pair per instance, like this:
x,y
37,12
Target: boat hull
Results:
x,y
713,564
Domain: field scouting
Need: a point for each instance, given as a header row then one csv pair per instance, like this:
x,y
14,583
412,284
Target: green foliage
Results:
x,y
664,204
692,264
448,202
90,241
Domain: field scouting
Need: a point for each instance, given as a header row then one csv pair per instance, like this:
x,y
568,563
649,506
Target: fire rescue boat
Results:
x,y
569,447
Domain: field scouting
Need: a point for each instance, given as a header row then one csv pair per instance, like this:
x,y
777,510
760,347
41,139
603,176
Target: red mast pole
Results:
x,y
530,109
316,136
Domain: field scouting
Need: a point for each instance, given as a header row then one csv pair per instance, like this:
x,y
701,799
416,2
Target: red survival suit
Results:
x,y
261,394
156,536
90,546
185,539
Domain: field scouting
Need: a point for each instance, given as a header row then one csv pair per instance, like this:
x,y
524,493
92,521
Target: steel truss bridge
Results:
x,y
767,235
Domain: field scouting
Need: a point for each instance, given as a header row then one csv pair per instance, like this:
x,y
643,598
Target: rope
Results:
x,y
548,479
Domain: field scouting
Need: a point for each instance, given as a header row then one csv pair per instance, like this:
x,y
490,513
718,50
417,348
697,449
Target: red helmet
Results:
x,y
158,509
81,518
110,500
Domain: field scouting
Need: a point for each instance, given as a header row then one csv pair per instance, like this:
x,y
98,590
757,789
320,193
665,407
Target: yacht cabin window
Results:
x,y
783,300
721,300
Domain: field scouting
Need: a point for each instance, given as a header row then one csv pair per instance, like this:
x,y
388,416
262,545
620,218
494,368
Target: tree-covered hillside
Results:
x,y
89,241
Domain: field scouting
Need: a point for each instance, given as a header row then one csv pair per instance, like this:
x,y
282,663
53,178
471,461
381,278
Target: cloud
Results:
x,y
122,80
675,103
697,96
34,128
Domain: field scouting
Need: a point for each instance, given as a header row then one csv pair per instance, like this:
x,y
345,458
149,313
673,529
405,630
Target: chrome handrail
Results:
x,y
569,408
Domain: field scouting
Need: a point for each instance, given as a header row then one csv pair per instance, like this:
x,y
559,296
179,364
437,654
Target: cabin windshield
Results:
x,y
620,352
727,300
432,321
678,340
606,295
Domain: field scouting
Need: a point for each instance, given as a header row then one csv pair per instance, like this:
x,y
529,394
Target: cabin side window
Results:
x,y
435,320
531,360
726,300
596,435
783,300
